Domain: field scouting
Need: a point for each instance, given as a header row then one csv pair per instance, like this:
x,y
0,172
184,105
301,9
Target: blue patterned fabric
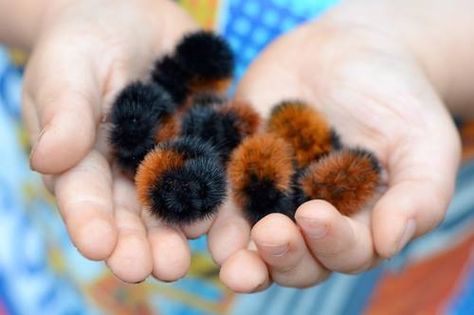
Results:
x,y
252,25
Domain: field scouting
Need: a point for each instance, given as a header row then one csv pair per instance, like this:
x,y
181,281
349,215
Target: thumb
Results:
x,y
61,108
422,171
69,78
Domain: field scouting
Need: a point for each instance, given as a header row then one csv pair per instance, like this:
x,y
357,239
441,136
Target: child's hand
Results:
x,y
376,93
84,54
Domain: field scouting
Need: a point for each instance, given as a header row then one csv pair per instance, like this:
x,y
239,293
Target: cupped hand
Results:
x,y
376,94
85,52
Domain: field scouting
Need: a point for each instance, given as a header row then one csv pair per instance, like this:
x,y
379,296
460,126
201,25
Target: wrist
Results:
x,y
20,22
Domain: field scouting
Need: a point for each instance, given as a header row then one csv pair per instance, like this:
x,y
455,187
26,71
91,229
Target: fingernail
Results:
x,y
314,229
407,235
36,144
275,250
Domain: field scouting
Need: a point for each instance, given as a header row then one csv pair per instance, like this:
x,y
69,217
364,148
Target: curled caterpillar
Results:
x,y
135,116
347,179
202,62
261,172
305,129
181,181
224,126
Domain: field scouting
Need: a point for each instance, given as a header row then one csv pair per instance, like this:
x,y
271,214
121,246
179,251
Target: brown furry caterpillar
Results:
x,y
305,129
347,179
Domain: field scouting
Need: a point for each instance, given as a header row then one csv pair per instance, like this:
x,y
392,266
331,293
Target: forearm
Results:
x,y
19,20
22,20
440,34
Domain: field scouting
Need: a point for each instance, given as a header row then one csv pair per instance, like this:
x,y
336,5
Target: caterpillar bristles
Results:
x,y
260,173
168,129
305,129
135,117
348,179
208,59
201,63
207,99
248,121
223,126
181,181
192,148
171,127
169,74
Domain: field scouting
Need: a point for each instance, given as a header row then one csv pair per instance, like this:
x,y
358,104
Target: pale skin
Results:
x,y
386,73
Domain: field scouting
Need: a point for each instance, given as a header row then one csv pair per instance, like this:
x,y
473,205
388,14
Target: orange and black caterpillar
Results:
x,y
261,172
223,125
347,179
307,130
181,181
202,62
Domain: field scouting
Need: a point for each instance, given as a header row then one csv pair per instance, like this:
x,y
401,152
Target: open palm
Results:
x,y
85,54
376,96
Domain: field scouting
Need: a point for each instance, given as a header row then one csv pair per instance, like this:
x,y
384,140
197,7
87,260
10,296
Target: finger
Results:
x,y
245,272
229,233
131,260
84,196
169,249
338,242
422,171
62,89
282,247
